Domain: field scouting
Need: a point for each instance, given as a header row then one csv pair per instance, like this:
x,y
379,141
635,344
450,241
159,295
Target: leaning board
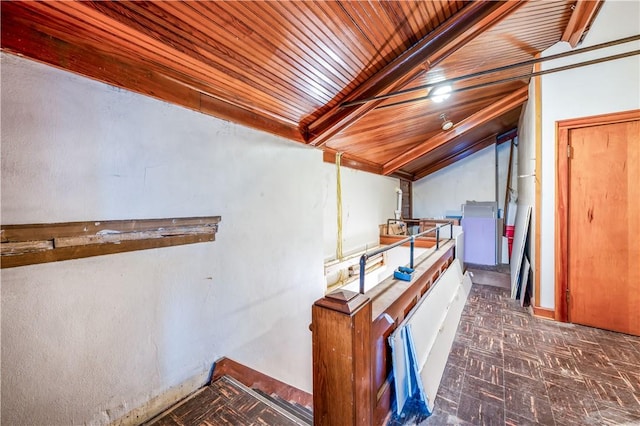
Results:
x,y
428,333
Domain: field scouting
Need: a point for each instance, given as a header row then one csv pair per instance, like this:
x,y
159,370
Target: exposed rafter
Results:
x,y
506,104
351,161
472,21
583,13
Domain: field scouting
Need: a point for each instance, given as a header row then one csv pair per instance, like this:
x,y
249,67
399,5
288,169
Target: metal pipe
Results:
x,y
492,70
521,77
413,239
363,263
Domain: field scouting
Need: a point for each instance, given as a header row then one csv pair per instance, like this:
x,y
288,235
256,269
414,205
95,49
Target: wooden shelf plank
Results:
x,y
41,243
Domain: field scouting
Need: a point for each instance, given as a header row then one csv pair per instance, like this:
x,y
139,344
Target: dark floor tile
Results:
x,y
583,345
567,382
510,368
572,407
519,339
512,419
485,367
534,406
482,390
440,419
574,333
545,324
516,320
472,299
522,363
465,329
490,306
270,417
609,395
634,341
569,419
486,341
490,321
609,375
449,394
524,383
559,347
458,354
560,362
468,316
478,412
612,416
620,351
445,405
228,416
608,334
548,337
594,358
631,378
452,380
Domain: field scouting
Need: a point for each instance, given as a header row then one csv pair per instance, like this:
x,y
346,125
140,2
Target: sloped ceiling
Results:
x,y
289,67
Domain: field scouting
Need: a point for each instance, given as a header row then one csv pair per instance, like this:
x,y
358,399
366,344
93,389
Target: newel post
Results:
x,y
342,376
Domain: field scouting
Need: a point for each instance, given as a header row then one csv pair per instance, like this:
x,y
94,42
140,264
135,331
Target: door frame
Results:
x,y
562,198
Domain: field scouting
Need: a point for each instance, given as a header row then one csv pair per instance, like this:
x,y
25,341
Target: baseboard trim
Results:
x,y
544,312
257,380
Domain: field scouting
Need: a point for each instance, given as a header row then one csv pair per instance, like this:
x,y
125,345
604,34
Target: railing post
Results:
x,y
411,260
343,391
363,265
437,237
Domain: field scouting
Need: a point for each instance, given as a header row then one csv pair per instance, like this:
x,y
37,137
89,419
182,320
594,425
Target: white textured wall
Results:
x,y
472,178
368,200
86,341
596,89
504,151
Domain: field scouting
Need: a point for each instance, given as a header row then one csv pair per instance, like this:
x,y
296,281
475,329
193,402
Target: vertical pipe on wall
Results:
x,y
339,253
496,178
537,213
398,212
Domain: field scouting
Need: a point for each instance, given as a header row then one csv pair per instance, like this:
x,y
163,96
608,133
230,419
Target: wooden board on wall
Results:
x,y
51,242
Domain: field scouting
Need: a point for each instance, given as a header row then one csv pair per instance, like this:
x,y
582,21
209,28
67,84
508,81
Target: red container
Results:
x,y
510,231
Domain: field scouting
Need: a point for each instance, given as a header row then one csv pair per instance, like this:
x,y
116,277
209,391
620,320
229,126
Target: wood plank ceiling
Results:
x,y
287,67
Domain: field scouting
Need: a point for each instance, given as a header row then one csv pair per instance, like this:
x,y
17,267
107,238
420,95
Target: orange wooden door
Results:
x,y
604,227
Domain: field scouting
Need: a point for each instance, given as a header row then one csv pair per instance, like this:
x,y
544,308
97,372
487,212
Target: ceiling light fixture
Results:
x,y
446,123
441,93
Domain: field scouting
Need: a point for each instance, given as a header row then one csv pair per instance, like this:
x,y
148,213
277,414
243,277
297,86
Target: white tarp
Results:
x,y
421,343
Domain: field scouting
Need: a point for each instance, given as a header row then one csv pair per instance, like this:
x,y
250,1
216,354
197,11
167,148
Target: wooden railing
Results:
x,y
352,379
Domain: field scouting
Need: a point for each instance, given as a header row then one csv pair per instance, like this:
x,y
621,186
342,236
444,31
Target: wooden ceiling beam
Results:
x,y
351,161
465,26
447,161
480,118
584,11
401,174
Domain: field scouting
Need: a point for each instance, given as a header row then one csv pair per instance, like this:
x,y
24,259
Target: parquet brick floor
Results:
x,y
509,368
